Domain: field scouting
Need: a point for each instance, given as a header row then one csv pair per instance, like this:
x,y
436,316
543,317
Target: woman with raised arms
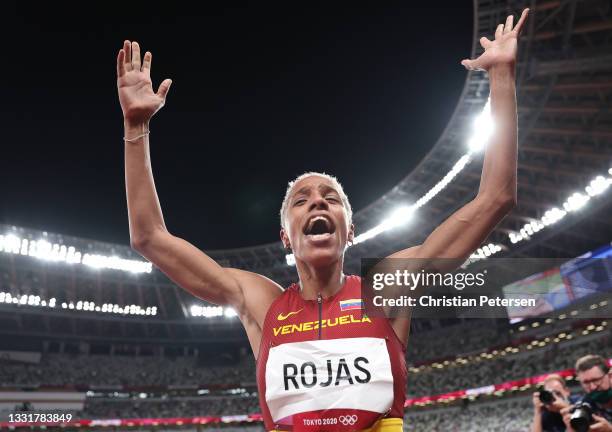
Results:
x,y
321,363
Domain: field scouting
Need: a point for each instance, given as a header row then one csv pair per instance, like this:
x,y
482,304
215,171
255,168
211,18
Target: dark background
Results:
x,y
260,94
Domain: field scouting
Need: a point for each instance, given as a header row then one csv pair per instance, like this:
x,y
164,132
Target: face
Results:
x,y
560,393
594,379
316,227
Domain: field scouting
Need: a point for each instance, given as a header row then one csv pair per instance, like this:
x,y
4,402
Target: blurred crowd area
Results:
x,y
99,371
527,364
512,415
455,340
183,407
501,415
120,370
105,370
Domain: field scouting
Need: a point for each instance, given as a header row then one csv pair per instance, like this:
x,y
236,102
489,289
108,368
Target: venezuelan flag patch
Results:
x,y
351,304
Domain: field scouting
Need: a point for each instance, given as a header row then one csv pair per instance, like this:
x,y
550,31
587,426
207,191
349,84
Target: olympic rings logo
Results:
x,y
348,420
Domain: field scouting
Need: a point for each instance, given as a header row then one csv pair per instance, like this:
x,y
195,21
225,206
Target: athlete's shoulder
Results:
x,y
251,280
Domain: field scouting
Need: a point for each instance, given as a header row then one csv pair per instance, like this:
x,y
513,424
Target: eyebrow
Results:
x,y
322,187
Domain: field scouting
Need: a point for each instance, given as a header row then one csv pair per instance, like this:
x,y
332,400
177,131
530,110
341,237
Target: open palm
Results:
x,y
138,100
501,50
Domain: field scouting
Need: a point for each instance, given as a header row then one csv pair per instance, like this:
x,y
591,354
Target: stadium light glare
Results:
x,y
575,202
10,243
88,306
399,217
206,311
229,313
54,252
483,252
482,129
598,186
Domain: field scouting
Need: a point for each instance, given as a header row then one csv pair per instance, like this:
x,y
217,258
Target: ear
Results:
x,y
351,233
285,239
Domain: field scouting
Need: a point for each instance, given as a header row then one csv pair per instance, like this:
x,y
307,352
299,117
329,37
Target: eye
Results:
x,y
299,202
333,199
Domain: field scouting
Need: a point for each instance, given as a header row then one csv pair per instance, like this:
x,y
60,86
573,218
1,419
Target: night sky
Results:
x,y
260,94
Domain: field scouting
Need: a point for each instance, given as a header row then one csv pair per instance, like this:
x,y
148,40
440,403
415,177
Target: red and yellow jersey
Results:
x,y
324,365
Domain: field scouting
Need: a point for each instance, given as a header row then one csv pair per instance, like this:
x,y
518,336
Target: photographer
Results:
x,y
548,403
595,408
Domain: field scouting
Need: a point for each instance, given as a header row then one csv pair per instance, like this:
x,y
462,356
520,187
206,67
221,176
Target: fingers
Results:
x,y
521,22
468,64
127,49
508,25
163,88
499,31
601,424
485,43
146,63
136,56
120,63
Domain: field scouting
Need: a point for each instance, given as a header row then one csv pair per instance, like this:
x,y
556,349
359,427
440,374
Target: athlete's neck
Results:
x,y
314,281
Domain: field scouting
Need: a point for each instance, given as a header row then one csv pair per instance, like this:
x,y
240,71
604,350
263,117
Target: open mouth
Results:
x,y
319,227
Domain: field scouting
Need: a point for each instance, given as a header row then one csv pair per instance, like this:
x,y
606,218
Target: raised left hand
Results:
x,y
503,49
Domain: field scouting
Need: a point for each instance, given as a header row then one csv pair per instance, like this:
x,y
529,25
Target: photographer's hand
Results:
x,y
558,404
566,414
536,424
601,424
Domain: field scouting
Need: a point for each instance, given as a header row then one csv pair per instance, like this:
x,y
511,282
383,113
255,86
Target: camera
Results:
x,y
546,397
581,416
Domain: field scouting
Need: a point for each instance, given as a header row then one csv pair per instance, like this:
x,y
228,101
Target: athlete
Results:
x,y
322,364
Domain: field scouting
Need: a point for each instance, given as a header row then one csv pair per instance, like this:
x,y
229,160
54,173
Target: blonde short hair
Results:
x,y
555,377
334,181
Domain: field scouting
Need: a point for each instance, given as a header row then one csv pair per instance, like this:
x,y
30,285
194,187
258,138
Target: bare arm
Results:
x,y
468,227
185,264
465,230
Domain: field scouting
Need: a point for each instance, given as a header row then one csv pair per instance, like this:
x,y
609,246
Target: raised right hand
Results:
x,y
138,100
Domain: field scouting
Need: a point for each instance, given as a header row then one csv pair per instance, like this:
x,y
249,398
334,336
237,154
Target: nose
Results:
x,y
318,202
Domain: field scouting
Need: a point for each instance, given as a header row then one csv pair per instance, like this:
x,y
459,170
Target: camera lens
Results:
x,y
546,397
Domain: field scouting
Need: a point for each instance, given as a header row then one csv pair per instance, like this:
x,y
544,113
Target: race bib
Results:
x,y
352,373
